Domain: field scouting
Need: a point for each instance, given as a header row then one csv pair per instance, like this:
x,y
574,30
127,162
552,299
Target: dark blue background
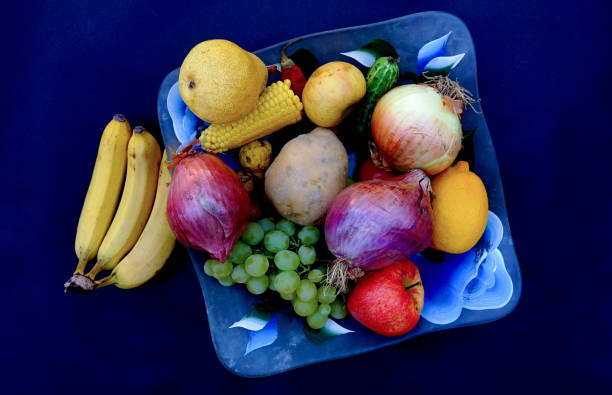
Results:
x,y
69,66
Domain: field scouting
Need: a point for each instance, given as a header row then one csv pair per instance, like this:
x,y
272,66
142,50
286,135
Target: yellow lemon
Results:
x,y
460,209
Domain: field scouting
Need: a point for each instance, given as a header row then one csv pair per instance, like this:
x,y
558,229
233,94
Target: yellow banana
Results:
x,y
154,245
103,192
143,156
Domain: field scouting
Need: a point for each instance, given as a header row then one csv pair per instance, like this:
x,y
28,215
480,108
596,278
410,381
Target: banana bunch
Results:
x,y
136,240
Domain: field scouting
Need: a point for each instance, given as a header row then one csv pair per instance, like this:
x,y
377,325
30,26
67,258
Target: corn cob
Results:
x,y
277,107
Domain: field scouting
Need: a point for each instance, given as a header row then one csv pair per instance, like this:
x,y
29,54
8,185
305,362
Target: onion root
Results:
x,y
453,90
339,274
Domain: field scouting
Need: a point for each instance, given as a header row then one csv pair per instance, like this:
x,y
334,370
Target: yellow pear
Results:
x,y
221,82
332,92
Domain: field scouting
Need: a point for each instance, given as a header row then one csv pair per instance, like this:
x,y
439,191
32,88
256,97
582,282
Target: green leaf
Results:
x,y
467,151
468,133
380,48
367,54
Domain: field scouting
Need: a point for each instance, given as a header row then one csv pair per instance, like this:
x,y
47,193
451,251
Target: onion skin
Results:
x,y
372,224
369,171
415,127
208,207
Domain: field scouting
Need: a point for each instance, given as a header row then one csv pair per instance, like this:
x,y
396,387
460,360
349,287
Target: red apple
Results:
x,y
388,301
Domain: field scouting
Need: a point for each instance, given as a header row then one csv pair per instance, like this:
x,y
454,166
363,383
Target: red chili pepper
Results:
x,y
292,72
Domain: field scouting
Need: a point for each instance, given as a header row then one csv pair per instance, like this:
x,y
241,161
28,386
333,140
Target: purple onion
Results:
x,y
372,224
208,207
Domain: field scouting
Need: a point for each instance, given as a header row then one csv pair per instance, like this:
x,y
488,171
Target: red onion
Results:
x,y
208,207
369,171
416,127
372,224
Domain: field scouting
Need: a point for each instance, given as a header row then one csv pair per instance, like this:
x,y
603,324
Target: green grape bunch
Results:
x,y
287,259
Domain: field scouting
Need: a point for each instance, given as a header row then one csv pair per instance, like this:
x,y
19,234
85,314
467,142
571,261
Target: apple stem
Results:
x,y
413,285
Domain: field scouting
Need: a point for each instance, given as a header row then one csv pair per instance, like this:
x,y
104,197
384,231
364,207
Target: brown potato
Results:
x,y
306,176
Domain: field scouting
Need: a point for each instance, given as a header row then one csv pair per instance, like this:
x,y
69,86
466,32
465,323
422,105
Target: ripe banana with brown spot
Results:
x,y
154,245
104,190
143,157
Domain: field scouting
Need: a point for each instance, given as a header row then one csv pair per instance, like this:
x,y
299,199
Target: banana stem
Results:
x,y
81,266
78,283
108,280
95,270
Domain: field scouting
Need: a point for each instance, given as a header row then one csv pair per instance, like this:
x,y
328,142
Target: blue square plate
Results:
x,y
226,305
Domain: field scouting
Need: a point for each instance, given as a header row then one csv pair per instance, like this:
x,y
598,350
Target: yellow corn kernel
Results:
x,y
276,108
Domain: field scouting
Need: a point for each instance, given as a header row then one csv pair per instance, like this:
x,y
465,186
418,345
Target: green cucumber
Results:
x,y
381,77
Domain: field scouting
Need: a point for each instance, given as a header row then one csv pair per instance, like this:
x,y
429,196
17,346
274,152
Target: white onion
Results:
x,y
415,127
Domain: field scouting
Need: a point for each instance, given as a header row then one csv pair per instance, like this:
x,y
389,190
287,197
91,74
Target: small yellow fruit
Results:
x,y
255,156
221,82
460,209
332,92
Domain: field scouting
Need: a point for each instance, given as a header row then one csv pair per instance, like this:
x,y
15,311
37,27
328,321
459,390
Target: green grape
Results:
x,y
315,275
288,297
271,277
226,281
316,320
276,241
306,291
240,252
338,309
326,294
208,267
286,260
286,226
324,309
304,309
307,254
222,269
258,285
239,274
256,265
253,234
266,224
286,282
309,235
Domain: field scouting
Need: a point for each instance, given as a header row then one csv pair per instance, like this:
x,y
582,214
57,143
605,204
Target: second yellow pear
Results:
x,y
332,92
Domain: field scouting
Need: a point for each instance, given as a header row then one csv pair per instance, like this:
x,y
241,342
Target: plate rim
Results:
x,y
172,76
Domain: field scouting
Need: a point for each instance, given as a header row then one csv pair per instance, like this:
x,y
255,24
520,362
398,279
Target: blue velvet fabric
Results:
x,y
70,65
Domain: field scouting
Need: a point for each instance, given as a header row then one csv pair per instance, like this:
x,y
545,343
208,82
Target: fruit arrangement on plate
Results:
x,y
362,157
328,190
